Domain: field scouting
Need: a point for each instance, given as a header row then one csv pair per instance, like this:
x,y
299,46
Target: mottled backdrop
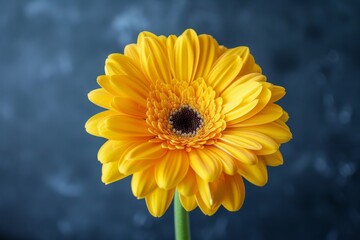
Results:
x,y
50,55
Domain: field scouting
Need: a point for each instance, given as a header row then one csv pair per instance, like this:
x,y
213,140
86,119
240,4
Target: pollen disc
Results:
x,y
185,121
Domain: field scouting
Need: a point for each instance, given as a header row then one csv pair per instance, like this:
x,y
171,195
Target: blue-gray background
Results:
x,y
50,55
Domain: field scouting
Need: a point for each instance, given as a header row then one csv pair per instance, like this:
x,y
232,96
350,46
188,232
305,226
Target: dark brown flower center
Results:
x,y
185,121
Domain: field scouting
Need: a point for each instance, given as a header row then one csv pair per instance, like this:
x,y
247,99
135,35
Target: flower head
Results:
x,y
186,114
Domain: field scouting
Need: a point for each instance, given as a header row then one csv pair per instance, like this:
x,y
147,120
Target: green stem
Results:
x,y
181,220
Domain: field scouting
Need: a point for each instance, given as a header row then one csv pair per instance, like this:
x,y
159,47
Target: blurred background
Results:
x,y
50,55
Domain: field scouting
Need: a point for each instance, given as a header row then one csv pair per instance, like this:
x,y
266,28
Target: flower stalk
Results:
x,y
181,220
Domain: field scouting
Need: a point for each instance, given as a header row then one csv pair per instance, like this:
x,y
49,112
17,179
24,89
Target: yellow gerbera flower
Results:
x,y
186,114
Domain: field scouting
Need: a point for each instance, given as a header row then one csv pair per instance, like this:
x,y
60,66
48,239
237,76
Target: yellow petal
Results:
x,y
285,116
234,96
141,156
170,45
277,130
131,51
129,107
274,159
119,64
105,83
171,169
250,77
222,49
268,145
224,72
146,34
194,39
143,182
237,51
154,59
132,166
204,192
188,202
262,102
122,127
270,113
159,201
240,111
110,173
162,40
234,193
211,192
188,186
204,164
237,139
217,189
146,151
210,195
186,55
209,52
227,161
246,92
256,174
130,87
101,98
249,64
238,153
209,211
112,151
256,68
91,125
277,93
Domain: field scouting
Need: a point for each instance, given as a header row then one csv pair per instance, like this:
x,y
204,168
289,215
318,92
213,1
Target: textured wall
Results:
x,y
50,55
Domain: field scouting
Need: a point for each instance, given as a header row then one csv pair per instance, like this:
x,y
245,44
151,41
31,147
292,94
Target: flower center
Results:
x,y
185,121
184,115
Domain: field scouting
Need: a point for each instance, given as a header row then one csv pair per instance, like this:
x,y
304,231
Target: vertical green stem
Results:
x,y
181,220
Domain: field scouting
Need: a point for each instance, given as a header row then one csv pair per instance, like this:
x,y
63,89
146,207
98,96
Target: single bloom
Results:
x,y
189,115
